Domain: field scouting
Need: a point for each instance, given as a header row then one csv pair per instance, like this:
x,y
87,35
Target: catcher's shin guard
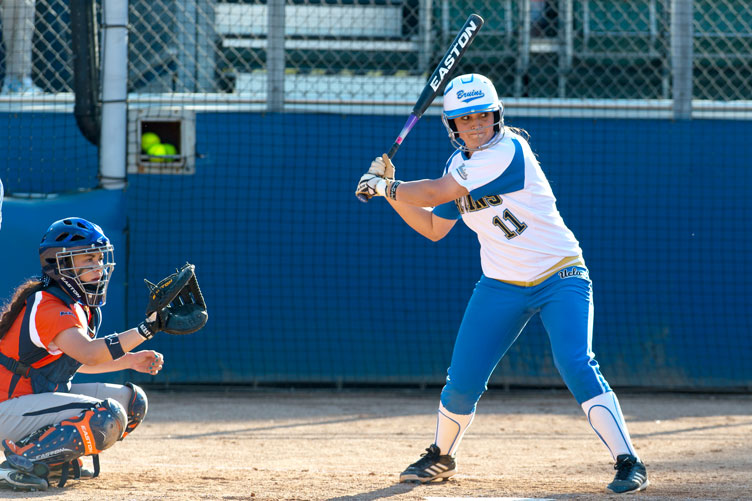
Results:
x,y
137,407
89,433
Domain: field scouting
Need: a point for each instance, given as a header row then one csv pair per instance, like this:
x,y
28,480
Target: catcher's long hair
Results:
x,y
17,302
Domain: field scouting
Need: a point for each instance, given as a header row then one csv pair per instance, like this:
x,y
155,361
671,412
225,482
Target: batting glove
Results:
x,y
371,186
382,166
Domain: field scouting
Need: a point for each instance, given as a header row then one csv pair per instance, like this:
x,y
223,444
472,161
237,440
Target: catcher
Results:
x,y
48,333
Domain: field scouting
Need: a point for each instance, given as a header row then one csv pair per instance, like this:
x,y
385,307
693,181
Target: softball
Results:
x,y
170,150
149,139
157,150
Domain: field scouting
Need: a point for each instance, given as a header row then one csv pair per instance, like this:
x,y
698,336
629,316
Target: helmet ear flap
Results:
x,y
49,263
452,125
497,120
65,262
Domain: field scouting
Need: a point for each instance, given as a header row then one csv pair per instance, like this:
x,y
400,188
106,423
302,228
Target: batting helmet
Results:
x,y
469,94
70,237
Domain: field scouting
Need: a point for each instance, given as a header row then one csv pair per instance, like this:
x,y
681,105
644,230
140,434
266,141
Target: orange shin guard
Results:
x,y
91,432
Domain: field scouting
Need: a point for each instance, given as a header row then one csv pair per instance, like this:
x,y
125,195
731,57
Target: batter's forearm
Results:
x,y
423,193
417,218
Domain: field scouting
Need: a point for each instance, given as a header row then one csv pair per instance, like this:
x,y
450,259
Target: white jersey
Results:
x,y
511,207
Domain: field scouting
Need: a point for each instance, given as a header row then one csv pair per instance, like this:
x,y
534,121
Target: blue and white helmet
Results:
x,y
468,94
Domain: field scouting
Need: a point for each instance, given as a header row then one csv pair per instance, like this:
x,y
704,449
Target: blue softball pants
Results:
x,y
496,315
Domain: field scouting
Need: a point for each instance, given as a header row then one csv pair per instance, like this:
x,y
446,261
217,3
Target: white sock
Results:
x,y
604,414
450,428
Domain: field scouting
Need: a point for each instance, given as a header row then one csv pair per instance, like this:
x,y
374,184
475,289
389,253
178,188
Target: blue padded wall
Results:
x,y
306,284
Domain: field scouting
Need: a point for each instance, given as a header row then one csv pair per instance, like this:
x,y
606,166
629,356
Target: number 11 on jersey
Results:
x,y
518,225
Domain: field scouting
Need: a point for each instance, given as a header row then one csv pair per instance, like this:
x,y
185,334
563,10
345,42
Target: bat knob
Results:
x,y
362,198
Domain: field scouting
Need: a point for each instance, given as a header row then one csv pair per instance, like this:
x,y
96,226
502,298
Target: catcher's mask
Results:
x,y
466,95
71,237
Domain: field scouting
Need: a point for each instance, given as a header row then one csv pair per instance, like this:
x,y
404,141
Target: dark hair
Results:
x,y
17,302
519,132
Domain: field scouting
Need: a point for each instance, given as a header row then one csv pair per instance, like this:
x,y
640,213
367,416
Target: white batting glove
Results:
x,y
371,186
382,166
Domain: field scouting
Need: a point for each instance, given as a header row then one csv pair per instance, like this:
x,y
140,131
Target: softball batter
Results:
x,y
48,333
531,262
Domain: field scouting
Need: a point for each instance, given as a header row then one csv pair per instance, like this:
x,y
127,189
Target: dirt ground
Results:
x,y
352,445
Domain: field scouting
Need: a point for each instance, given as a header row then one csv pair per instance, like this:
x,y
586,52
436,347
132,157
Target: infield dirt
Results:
x,y
352,445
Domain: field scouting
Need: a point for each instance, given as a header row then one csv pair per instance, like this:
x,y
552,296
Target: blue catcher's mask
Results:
x,y
62,243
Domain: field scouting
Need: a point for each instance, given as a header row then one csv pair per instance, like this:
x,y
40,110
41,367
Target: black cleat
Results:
x,y
631,475
431,466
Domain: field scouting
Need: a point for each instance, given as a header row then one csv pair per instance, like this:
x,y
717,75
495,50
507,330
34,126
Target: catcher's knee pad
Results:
x,y
137,407
91,432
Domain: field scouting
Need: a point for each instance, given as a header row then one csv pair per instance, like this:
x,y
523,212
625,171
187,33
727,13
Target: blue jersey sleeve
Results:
x,y
447,210
511,180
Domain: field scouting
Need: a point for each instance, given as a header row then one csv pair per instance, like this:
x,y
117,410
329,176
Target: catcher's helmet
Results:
x,y
468,94
70,237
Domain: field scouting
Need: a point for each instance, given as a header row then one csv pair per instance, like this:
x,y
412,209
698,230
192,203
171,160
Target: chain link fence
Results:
x,y
382,50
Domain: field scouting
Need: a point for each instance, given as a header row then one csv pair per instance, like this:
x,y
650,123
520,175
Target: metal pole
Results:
x,y
566,44
445,22
205,53
114,94
682,55
185,38
523,47
424,28
275,56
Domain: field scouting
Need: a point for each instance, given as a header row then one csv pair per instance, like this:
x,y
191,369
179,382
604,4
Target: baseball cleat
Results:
x,y
631,475
431,466
20,480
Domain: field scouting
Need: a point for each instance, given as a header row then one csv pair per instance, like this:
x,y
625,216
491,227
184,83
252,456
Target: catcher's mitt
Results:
x,y
167,289
176,305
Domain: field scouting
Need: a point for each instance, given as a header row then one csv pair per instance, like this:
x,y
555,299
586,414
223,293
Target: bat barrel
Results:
x,y
438,79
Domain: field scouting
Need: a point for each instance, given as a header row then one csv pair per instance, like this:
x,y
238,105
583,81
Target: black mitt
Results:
x,y
164,292
176,305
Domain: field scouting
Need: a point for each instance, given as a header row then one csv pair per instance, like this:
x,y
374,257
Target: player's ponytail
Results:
x,y
18,301
519,132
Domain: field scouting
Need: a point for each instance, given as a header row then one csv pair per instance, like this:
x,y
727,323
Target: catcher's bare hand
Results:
x,y
147,361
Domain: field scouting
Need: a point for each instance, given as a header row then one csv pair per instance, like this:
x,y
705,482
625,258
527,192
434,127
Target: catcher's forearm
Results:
x,y
127,341
94,352
119,364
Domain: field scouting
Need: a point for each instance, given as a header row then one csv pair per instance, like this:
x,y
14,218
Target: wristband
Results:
x,y
392,190
146,330
113,344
